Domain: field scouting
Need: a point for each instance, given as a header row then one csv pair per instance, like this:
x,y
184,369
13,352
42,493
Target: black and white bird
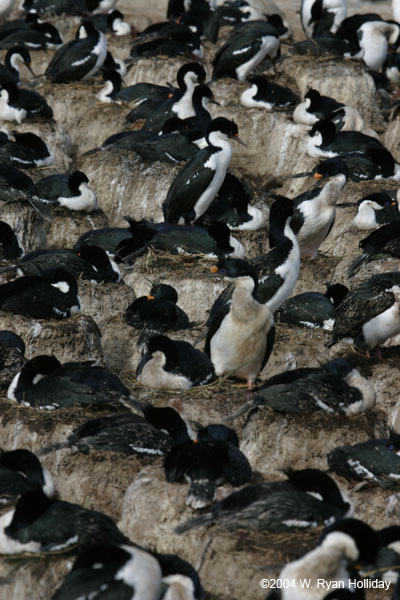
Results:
x,y
173,365
342,545
156,104
110,22
369,315
321,16
22,472
70,191
80,58
90,262
212,459
45,383
377,209
246,47
315,107
232,205
307,499
53,294
240,331
123,570
325,141
17,104
41,524
198,182
214,241
375,38
375,461
38,36
10,70
382,242
26,150
312,309
370,164
335,388
129,433
267,94
315,210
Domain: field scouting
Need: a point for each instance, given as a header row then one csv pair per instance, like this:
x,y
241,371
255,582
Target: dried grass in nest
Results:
x,y
288,545
177,263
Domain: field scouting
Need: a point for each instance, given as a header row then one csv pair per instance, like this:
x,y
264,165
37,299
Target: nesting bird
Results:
x,y
335,388
70,191
53,294
375,461
307,499
369,315
80,58
173,365
45,383
212,459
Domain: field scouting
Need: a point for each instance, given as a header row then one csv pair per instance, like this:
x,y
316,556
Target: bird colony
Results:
x,y
199,300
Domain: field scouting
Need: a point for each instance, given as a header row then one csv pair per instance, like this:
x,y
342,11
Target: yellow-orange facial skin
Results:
x,y
214,269
318,176
150,297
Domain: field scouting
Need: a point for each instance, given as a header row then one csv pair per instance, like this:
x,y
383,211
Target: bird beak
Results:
x,y
318,176
212,100
150,297
236,138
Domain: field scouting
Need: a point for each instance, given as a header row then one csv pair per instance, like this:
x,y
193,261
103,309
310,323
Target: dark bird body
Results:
x,y
375,461
17,104
335,388
128,433
51,295
277,505
157,313
27,150
206,463
124,571
21,472
39,524
179,239
71,191
80,58
90,263
369,315
385,241
46,384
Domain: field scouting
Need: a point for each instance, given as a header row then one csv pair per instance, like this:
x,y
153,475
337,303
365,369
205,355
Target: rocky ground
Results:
x,y
133,490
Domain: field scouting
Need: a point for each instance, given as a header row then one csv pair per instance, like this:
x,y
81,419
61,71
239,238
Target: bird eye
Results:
x,y
391,447
222,271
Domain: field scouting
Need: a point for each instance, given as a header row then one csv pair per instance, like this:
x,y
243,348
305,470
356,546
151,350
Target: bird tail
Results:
x,y
89,152
142,233
240,411
39,208
52,448
201,493
206,519
357,264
